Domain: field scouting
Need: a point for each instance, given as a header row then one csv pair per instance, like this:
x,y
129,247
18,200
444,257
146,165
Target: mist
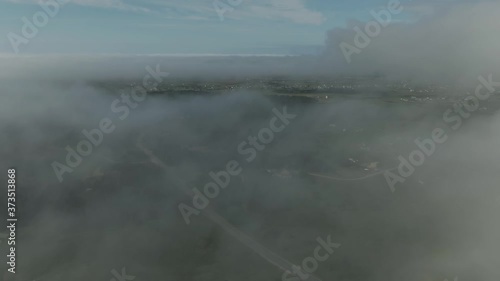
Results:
x,y
119,209
454,44
337,143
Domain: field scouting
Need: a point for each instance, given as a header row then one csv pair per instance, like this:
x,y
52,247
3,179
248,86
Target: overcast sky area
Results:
x,y
188,26
440,40
178,26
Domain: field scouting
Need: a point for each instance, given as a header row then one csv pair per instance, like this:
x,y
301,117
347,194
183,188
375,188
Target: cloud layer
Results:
x,y
456,42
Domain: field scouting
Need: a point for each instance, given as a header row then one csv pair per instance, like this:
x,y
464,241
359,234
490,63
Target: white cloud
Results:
x,y
457,43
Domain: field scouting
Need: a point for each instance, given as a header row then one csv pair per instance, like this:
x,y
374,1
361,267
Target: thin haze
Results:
x,y
119,209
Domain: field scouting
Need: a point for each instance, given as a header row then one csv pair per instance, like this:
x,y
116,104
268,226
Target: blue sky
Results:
x,y
182,26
